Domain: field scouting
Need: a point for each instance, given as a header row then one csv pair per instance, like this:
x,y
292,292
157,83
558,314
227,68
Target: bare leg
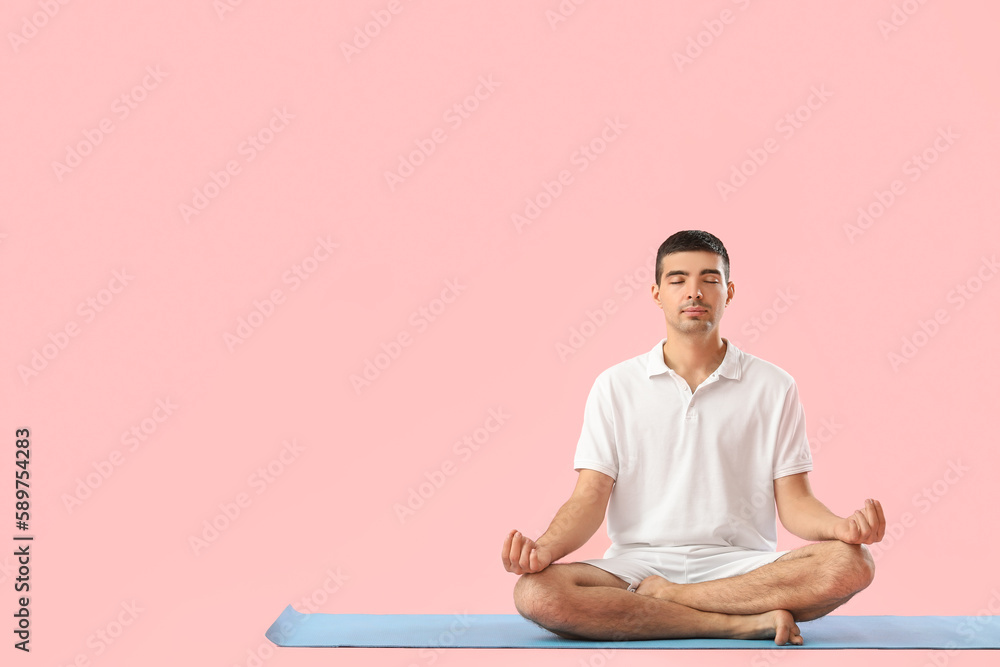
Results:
x,y
581,601
809,582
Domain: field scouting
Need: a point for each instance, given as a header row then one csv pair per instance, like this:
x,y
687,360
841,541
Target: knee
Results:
x,y
538,597
525,595
852,567
867,566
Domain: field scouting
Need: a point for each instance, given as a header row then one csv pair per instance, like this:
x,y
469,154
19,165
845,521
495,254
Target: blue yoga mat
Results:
x,y
293,628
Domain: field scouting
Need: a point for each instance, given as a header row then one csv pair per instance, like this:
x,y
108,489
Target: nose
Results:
x,y
697,293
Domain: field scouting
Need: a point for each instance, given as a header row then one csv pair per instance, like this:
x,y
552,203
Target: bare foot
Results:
x,y
777,624
657,587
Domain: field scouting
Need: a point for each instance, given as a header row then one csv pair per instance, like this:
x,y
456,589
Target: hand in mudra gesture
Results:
x,y
522,555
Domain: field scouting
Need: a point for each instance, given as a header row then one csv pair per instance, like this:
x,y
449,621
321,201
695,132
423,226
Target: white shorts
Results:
x,y
684,565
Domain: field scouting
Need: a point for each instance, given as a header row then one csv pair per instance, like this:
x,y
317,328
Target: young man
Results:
x,y
699,442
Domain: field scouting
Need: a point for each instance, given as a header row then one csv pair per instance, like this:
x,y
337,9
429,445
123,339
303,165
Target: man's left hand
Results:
x,y
865,526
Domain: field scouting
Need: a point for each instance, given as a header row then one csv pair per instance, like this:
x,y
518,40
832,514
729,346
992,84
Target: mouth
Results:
x,y
694,311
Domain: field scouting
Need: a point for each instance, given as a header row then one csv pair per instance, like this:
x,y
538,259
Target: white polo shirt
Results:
x,y
693,468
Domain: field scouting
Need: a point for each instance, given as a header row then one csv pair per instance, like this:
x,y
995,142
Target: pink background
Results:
x,y
893,430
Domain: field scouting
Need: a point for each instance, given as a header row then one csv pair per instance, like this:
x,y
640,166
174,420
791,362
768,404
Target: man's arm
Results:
x,y
802,514
580,516
575,523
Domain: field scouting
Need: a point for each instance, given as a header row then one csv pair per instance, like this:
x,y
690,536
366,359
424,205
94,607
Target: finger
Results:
x,y
533,560
855,532
515,553
525,559
871,514
881,521
505,551
872,519
863,527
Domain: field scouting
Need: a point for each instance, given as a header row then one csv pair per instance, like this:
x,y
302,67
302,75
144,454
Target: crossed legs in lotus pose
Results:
x,y
582,601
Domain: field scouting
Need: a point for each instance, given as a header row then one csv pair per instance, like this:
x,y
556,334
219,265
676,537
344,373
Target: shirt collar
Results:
x,y
731,366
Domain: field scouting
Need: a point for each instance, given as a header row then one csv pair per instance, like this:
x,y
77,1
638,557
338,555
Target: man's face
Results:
x,y
693,292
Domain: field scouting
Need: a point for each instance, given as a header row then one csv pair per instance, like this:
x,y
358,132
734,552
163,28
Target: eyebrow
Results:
x,y
678,272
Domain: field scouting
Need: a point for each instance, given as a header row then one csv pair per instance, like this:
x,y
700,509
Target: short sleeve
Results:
x,y
791,451
597,449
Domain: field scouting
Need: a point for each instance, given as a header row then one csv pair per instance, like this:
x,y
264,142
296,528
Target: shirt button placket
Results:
x,y
686,391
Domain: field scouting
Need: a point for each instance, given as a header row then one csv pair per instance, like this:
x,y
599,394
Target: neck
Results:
x,y
694,354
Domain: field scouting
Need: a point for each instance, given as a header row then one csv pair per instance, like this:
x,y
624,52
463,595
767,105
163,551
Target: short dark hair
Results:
x,y
691,239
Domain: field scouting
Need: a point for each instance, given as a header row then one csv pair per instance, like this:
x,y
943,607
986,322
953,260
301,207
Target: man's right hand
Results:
x,y
521,555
